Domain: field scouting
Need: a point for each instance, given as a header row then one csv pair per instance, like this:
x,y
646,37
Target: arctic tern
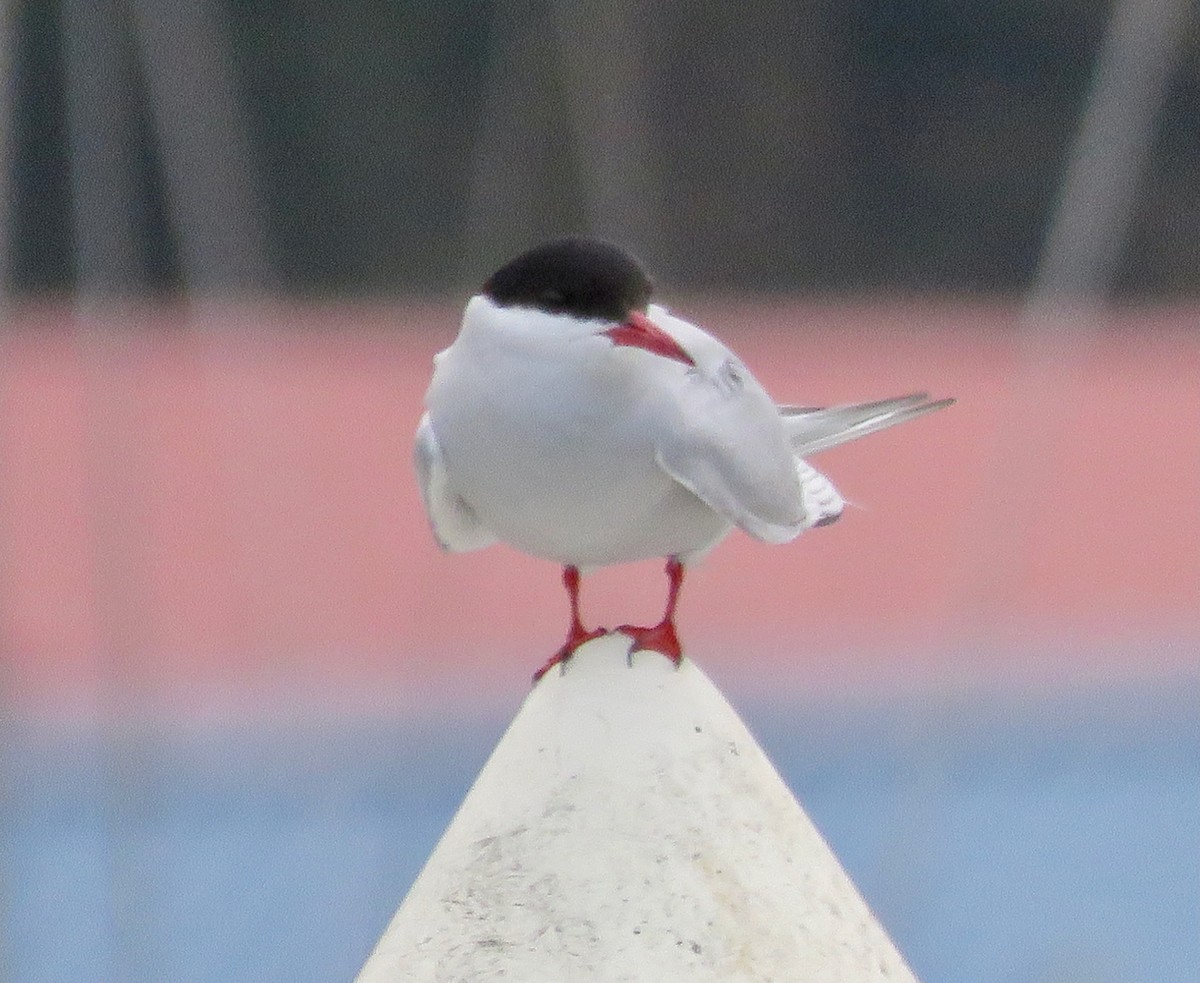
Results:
x,y
578,422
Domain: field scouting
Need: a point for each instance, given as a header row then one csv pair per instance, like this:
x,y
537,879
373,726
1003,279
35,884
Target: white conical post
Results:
x,y
628,827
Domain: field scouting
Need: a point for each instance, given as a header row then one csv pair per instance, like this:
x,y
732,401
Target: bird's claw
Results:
x,y
559,658
660,638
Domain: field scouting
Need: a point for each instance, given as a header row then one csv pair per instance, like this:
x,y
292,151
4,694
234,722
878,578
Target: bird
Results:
x,y
577,421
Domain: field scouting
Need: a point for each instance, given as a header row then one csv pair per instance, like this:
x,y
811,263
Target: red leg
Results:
x,y
577,634
661,637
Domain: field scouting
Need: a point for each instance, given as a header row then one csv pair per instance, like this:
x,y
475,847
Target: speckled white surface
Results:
x,y
628,827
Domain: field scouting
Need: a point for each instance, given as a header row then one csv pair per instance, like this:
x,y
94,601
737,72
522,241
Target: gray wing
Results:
x,y
813,429
722,441
455,525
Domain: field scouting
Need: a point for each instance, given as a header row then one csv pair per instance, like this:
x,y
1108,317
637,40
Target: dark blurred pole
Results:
x,y
117,476
7,704
7,153
212,198
1100,190
601,60
1064,309
100,135
563,142
1067,302
510,145
100,81
214,216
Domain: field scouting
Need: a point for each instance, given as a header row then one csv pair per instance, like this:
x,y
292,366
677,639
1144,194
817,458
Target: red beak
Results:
x,y
639,331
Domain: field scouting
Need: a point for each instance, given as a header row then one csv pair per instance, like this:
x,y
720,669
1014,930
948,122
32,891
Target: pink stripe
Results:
x,y
240,503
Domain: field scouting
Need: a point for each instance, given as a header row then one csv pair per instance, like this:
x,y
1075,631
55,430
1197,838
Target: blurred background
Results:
x,y
242,692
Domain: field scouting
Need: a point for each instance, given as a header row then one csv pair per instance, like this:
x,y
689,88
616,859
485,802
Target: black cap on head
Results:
x,y
587,278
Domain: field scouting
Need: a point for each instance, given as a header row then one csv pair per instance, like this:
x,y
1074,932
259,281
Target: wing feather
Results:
x,y
721,438
814,429
455,525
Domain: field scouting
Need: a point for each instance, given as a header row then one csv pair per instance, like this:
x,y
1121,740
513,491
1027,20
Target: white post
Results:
x,y
628,827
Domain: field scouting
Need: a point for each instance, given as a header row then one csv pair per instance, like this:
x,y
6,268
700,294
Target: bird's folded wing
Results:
x,y
730,453
813,429
455,525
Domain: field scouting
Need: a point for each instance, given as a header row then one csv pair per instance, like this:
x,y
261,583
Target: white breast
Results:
x,y
548,433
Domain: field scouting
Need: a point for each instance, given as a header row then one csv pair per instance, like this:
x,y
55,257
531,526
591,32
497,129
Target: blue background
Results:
x,y
1016,840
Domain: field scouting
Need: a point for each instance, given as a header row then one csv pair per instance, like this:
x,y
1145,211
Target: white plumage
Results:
x,y
586,453
591,439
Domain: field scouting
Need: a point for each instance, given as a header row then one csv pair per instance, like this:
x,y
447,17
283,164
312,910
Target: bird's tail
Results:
x,y
811,429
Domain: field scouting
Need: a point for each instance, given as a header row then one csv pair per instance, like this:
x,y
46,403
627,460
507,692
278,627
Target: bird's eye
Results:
x,y
551,298
731,375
